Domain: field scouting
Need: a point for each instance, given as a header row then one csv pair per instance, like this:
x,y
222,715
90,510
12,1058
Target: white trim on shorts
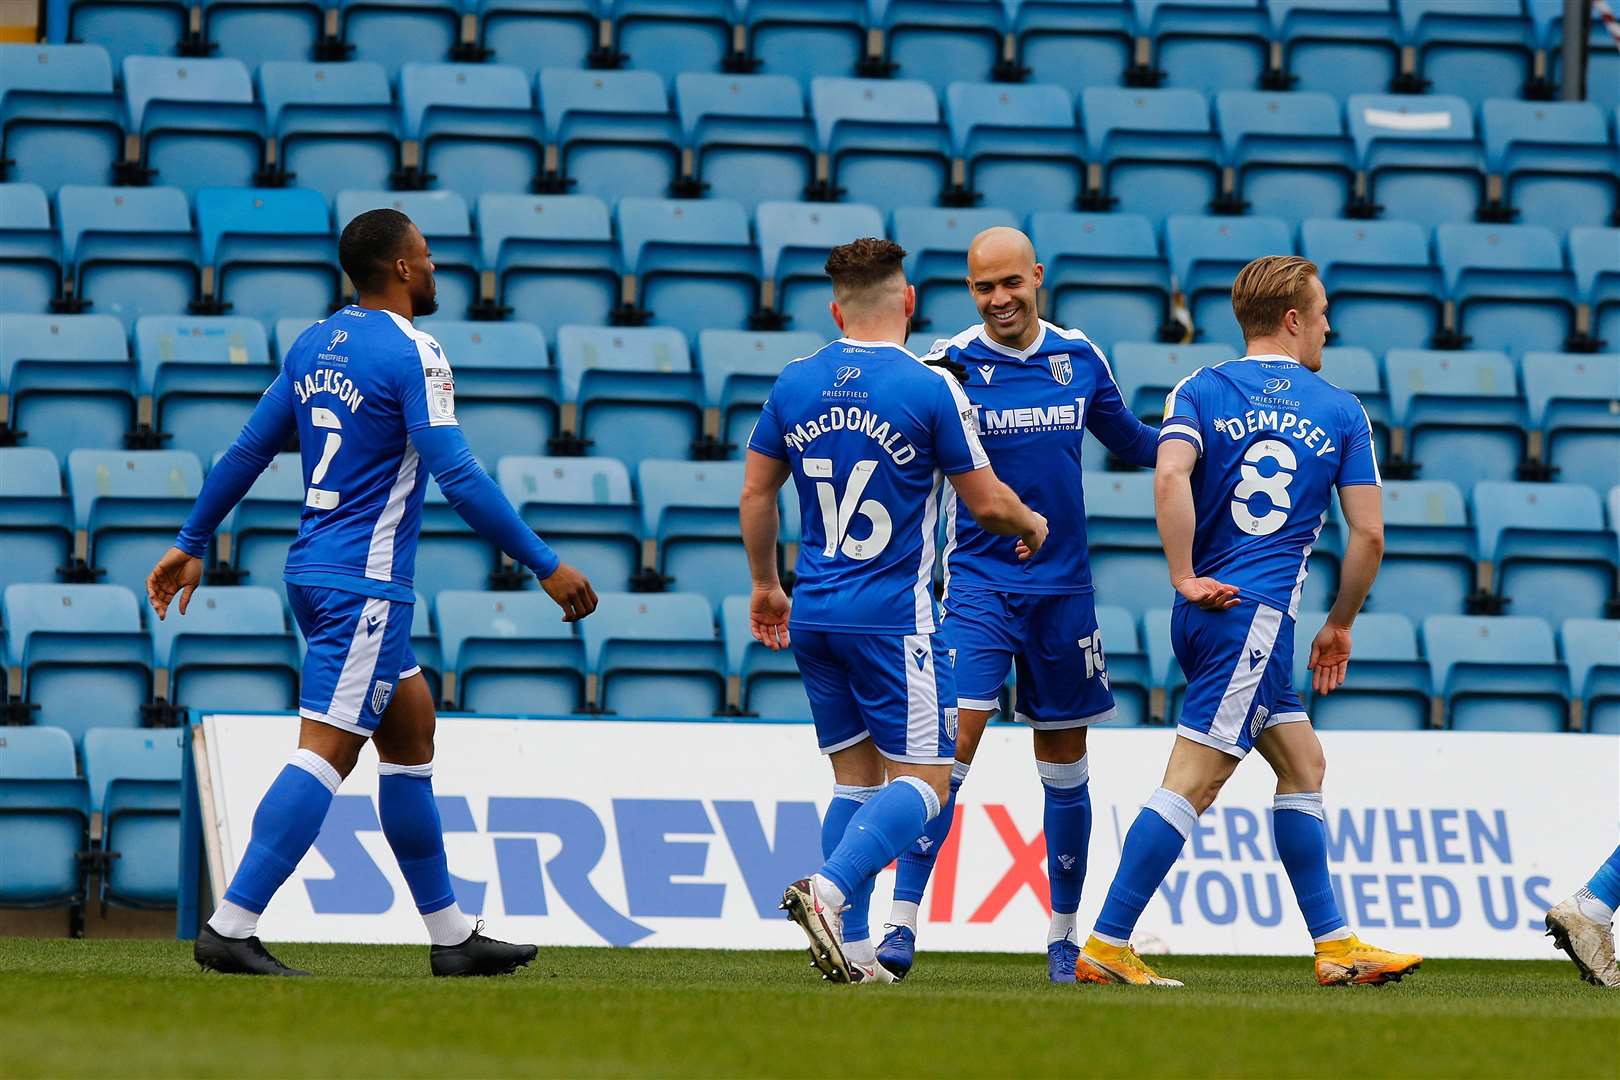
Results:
x,y
982,704
332,721
417,670
1286,718
846,744
918,759
1065,725
1209,740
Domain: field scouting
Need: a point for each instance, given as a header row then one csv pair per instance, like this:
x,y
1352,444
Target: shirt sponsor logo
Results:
x,y
1070,416
845,374
338,338
1275,386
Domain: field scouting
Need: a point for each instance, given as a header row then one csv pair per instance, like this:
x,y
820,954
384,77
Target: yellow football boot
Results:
x,y
1351,961
1101,962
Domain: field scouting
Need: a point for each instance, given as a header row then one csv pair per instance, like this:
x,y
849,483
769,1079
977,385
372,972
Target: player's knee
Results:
x,y
1311,770
1204,793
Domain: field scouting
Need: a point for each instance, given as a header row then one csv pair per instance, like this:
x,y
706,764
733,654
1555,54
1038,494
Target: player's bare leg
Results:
x,y
1060,758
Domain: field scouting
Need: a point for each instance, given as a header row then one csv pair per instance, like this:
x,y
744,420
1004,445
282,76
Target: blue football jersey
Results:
x,y
1274,439
1032,409
359,383
868,430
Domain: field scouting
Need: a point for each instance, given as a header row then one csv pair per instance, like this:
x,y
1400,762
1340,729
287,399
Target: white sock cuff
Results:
x,y
1306,802
959,771
318,767
1174,809
1060,774
388,768
853,791
923,788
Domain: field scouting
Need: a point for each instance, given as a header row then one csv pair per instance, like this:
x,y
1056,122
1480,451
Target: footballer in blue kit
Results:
x,y
1250,453
869,435
372,402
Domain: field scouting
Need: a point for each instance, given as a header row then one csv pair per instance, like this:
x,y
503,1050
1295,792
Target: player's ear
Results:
x,y
1039,276
837,313
911,300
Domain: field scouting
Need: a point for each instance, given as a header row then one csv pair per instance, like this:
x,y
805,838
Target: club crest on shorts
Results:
x,y
380,695
1259,721
950,722
1062,369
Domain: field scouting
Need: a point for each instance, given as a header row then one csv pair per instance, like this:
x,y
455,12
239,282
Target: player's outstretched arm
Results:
x,y
1364,549
481,504
763,477
998,509
1117,428
1178,520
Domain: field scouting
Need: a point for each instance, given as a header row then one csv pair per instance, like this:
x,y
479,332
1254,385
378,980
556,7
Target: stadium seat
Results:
x,y
129,27
1104,274
1383,290
1548,548
30,251
583,508
255,539
80,652
942,41
36,519
60,122
1387,687
334,125
1572,413
259,32
1594,253
1554,160
230,652
270,251
1477,50
1127,557
747,135
1592,649
394,33
1509,282
131,251
1126,662
767,680
1338,47
202,376
47,810
446,225
554,257
611,131
937,242
1288,152
1419,156
1461,413
511,654
883,141
427,647
1146,373
1152,152
1429,551
1207,45
637,393
506,388
1018,145
689,510
475,125
1497,674
1356,370
1074,44
739,368
134,781
69,380
536,34
694,263
655,655
129,504
449,553
1206,254
198,124
794,239
1602,59
1170,683
803,39
673,36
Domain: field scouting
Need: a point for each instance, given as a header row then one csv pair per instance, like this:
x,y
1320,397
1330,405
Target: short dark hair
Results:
x,y
862,263
370,244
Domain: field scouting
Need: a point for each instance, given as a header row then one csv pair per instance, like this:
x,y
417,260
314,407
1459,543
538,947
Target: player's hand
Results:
x,y
1330,658
1030,542
571,592
768,616
1207,593
946,363
176,572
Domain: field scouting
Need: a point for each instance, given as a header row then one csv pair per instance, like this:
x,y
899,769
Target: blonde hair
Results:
x,y
1267,289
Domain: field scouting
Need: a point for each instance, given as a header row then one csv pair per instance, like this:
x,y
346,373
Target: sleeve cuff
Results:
x,y
779,455
191,545
1368,482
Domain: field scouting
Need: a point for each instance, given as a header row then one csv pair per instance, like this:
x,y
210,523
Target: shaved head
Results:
x,y
1001,244
1004,279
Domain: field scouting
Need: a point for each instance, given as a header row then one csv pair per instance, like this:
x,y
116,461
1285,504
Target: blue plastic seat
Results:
x,y
1206,254
1462,414
130,503
583,508
768,682
204,376
613,132
1420,155
30,251
134,781
264,523
1207,45
1126,661
1510,285
1127,557
1104,274
739,368
36,520
1571,399
198,122
476,126
427,647
673,36
129,27
689,508
1594,253
1497,674
1338,47
750,137
511,654
884,141
1289,152
1146,373
1170,682
394,33
271,251
60,122
536,34
554,257
1021,145
1592,649
460,557
83,658
637,393
1478,50
655,655
1551,554
69,379
258,32
335,125
803,39
1387,686
794,239
132,251
47,810
446,224
506,388
1074,43
694,262
1154,149
1355,369
942,41
230,652
1383,290
937,241
1556,161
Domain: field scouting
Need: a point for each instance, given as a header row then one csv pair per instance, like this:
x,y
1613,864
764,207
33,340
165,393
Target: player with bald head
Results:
x,y
1035,389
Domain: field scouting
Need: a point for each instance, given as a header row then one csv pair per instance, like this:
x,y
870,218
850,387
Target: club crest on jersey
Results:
x,y
845,374
1062,369
380,695
338,338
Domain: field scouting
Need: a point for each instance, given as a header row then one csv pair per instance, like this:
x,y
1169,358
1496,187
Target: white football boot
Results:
x,y
822,923
1588,942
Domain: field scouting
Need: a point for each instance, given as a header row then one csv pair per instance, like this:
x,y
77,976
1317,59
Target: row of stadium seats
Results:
x,y
1481,48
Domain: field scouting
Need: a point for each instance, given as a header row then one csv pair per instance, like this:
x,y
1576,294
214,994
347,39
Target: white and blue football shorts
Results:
x,y
359,649
1051,641
1240,673
896,689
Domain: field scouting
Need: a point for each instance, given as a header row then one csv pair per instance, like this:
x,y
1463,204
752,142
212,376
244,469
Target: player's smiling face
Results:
x,y
1004,277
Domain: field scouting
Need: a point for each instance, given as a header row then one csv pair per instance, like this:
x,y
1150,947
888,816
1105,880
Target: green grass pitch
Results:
x,y
140,1008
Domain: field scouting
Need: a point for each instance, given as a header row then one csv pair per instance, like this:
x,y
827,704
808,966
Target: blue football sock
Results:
x,y
1298,822
847,800
1068,829
883,828
410,821
1605,884
284,826
1155,839
917,862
